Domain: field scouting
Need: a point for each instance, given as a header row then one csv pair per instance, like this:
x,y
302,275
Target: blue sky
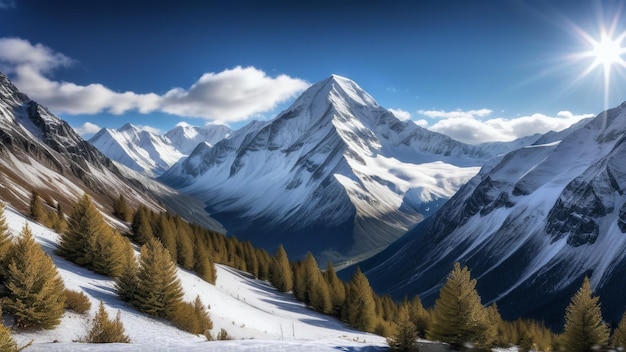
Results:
x,y
475,70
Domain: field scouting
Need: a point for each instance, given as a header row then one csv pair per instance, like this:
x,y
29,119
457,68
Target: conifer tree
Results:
x,y
126,283
5,238
35,291
280,271
360,309
59,223
419,316
184,246
584,328
105,330
299,281
264,260
405,335
336,289
7,342
619,335
141,228
85,223
37,210
458,316
317,295
164,231
205,268
158,287
110,252
89,241
121,209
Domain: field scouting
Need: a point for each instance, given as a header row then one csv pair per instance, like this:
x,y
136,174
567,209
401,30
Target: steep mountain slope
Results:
x,y
257,316
529,227
38,151
152,154
335,174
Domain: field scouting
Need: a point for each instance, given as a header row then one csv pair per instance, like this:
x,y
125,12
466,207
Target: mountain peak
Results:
x,y
128,126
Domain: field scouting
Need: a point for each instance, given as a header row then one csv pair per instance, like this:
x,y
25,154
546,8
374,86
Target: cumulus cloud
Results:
x,y
228,96
465,126
456,114
401,114
232,95
87,129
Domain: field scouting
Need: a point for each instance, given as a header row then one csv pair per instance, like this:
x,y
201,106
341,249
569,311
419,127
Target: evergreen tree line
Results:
x,y
31,289
458,316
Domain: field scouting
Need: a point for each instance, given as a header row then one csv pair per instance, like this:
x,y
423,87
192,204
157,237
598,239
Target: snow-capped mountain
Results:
x,y
152,154
529,227
41,152
185,138
335,174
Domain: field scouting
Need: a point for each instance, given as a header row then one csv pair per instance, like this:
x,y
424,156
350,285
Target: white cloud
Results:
x,y
232,95
87,129
228,96
401,114
422,123
440,114
464,126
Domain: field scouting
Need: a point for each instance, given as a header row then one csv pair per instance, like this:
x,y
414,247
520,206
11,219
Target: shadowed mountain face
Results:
x,y
529,227
334,174
38,151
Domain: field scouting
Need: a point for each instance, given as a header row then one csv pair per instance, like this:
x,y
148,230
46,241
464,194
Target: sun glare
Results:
x,y
608,51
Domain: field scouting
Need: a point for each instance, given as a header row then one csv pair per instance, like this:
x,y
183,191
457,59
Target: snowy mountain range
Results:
x,y
335,174
41,152
152,154
529,226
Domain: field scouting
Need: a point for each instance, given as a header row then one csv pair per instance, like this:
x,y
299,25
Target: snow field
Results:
x,y
257,316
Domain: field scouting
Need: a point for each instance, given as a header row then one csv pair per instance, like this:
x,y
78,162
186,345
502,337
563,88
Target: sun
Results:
x,y
606,52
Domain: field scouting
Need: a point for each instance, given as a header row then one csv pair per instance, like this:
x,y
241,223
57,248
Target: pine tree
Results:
x,y
360,309
619,335
317,293
85,223
405,335
121,209
141,228
35,291
164,231
419,316
5,239
336,289
105,330
280,271
109,254
158,287
37,210
205,268
184,246
89,241
458,316
126,283
584,328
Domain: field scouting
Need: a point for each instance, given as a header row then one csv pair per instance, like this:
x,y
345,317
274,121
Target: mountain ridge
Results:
x,y
530,226
335,166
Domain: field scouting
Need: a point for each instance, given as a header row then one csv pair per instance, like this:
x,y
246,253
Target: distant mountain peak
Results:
x,y
128,127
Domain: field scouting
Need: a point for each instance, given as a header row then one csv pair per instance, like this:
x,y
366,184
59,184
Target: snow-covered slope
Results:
x,y
335,174
152,154
41,152
529,227
257,316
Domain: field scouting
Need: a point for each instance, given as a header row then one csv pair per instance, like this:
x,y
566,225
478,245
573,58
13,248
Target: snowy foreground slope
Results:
x,y
254,314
